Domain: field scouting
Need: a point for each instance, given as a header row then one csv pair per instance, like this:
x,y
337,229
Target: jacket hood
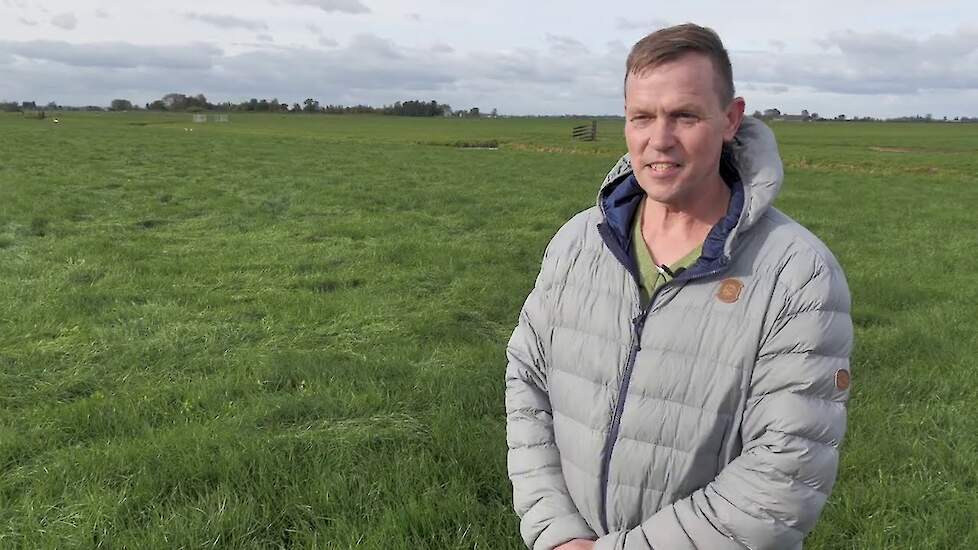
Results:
x,y
752,158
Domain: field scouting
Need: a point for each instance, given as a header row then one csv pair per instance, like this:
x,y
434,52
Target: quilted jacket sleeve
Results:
x,y
771,495
548,516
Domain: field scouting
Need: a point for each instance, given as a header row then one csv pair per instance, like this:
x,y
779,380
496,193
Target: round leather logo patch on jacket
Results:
x,y
842,379
729,291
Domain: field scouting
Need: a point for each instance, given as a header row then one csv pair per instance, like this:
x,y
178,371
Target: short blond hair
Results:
x,y
671,43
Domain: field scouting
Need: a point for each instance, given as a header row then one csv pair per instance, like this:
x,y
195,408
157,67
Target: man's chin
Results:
x,y
657,187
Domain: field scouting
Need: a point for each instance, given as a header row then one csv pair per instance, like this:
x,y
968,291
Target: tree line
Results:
x,y
805,116
177,102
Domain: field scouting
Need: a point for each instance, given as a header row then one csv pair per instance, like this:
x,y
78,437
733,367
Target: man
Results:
x,y
679,375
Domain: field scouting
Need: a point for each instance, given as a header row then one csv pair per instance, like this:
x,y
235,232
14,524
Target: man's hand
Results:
x,y
576,544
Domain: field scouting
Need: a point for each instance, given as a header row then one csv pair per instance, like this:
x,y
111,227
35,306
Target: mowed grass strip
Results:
x,y
288,331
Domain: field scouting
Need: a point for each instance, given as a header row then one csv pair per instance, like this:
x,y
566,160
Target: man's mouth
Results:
x,y
663,166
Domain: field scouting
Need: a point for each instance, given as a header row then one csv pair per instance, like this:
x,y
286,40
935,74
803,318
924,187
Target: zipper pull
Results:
x,y
637,324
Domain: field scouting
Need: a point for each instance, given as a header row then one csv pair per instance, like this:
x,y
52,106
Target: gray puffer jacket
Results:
x,y
712,418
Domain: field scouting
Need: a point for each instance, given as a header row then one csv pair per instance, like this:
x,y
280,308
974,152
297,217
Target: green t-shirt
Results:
x,y
649,275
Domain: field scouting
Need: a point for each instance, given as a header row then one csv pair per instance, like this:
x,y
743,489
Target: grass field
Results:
x,y
288,331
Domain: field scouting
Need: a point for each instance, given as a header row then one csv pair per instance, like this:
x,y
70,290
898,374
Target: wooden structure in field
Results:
x,y
585,132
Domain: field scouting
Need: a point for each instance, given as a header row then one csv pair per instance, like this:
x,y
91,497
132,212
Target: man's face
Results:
x,y
675,127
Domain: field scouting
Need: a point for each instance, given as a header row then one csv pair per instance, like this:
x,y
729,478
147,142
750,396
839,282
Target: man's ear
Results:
x,y
735,115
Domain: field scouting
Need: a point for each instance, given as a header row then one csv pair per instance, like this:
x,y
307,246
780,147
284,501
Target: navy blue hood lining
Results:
x,y
620,201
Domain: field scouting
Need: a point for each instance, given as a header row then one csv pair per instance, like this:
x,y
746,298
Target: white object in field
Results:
x,y
56,121
200,118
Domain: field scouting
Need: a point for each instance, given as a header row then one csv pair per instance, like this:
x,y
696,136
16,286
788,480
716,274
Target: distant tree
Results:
x,y
772,113
9,106
805,115
28,105
158,105
414,107
494,113
296,108
120,105
197,103
474,112
175,102
758,114
310,105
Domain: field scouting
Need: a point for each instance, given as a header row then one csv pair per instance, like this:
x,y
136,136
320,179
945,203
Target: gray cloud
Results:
x,y
264,38
374,70
369,69
565,44
226,21
101,14
28,22
324,41
647,25
66,21
114,55
619,47
871,63
875,45
372,45
774,89
330,6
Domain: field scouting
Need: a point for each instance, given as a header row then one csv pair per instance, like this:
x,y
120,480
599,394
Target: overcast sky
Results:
x,y
874,57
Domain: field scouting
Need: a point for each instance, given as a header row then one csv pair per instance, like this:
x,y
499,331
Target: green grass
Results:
x,y
288,331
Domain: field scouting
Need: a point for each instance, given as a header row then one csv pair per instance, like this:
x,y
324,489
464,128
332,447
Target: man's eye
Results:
x,y
687,117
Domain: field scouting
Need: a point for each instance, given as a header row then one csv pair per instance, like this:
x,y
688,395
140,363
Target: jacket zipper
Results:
x,y
638,324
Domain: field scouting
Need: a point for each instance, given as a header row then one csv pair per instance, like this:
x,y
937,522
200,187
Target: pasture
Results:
x,y
287,331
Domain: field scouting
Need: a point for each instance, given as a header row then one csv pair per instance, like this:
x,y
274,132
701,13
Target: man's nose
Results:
x,y
662,134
